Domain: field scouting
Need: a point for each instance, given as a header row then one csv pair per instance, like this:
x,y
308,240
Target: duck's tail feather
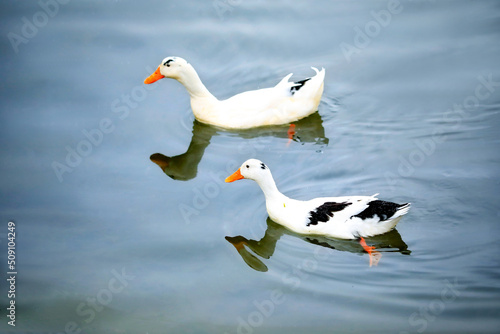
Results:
x,y
311,87
402,210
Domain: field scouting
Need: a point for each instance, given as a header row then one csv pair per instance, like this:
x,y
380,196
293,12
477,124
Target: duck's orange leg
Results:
x,y
290,133
374,255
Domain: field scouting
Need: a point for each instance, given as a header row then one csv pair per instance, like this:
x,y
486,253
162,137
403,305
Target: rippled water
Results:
x,y
139,234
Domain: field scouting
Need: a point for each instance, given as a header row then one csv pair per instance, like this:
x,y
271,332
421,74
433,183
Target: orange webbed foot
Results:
x,y
374,255
290,133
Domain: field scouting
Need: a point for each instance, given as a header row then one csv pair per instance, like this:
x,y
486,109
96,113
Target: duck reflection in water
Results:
x,y
184,167
265,247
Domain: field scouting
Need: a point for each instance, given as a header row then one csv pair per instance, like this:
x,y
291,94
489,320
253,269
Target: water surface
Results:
x,y
141,235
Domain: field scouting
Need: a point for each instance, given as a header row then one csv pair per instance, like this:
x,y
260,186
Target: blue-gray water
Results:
x,y
110,241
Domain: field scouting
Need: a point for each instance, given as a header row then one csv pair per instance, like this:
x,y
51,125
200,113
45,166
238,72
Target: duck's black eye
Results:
x,y
247,166
167,63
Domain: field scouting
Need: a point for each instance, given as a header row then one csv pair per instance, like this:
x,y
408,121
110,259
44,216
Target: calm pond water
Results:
x,y
109,240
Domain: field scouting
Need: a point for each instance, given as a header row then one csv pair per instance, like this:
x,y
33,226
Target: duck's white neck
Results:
x,y
269,188
196,89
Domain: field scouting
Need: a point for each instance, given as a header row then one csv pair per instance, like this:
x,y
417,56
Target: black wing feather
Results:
x,y
384,210
298,85
325,211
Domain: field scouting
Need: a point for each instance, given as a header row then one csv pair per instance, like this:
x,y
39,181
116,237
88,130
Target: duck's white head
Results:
x,y
170,67
252,169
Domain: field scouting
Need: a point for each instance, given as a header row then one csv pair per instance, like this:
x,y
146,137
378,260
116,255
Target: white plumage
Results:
x,y
347,217
284,103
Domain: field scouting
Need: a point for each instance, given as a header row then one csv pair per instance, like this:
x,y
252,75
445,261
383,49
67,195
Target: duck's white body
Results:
x,y
347,217
284,103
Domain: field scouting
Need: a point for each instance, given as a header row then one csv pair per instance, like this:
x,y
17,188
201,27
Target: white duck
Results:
x,y
347,217
284,103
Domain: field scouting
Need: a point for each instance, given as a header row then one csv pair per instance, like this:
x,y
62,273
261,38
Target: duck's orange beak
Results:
x,y
154,77
235,176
